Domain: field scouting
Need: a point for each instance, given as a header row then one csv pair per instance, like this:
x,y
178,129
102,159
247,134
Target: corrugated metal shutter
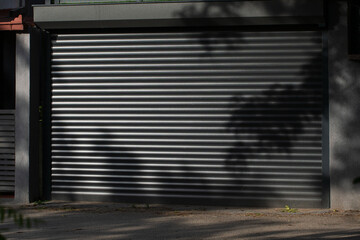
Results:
x,y
209,117
7,152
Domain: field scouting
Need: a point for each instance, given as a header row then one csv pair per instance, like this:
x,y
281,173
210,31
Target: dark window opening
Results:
x,y
354,29
7,70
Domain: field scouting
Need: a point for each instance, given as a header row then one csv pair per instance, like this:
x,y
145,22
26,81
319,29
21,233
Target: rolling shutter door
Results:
x,y
7,152
206,117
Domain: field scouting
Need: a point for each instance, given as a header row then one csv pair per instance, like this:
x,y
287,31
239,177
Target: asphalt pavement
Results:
x,y
89,220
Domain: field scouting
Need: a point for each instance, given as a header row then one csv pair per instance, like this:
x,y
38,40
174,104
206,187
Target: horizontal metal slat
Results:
x,y
178,104
241,151
6,162
7,174
208,184
178,34
7,111
7,128
122,39
203,59
262,198
154,189
7,139
168,171
300,114
263,179
103,158
7,188
177,91
7,134
176,145
214,96
7,123
7,145
7,184
196,53
174,165
6,168
9,179
7,151
186,152
235,127
191,185
114,122
267,76
193,142
7,156
222,84
195,41
183,65
269,69
7,117
190,134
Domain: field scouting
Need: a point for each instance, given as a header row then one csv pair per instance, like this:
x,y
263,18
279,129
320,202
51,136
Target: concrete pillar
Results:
x,y
22,117
344,112
27,168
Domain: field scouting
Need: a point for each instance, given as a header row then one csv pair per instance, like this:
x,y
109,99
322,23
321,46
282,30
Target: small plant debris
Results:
x,y
39,202
289,209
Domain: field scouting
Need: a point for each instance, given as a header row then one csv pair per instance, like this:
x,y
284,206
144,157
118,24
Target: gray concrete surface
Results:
x,y
27,170
344,91
179,14
22,117
62,220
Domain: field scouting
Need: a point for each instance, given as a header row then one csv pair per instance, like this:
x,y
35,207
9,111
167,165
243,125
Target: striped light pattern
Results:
x,y
212,117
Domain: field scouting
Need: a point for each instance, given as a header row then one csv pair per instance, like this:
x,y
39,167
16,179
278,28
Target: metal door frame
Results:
x,y
47,96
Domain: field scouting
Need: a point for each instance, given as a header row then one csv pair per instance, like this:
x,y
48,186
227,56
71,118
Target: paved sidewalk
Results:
x,y
63,220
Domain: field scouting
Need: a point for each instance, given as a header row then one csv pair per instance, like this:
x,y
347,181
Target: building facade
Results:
x,y
247,103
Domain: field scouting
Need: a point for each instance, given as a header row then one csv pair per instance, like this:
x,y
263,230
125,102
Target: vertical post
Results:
x,y
325,125
46,124
22,118
34,149
27,163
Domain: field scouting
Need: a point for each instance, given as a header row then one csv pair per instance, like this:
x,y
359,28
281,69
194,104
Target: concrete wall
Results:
x,y
233,13
344,112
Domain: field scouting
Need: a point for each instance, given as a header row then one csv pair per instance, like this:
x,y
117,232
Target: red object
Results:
x,y
8,23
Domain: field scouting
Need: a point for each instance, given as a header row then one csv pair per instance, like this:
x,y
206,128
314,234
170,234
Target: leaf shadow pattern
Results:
x,y
277,131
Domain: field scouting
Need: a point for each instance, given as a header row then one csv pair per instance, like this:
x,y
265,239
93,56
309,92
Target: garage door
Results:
x,y
193,117
7,152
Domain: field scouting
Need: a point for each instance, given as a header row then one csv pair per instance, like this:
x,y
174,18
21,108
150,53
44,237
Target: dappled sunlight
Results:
x,y
116,221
